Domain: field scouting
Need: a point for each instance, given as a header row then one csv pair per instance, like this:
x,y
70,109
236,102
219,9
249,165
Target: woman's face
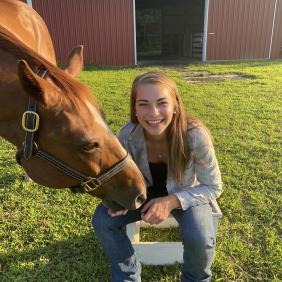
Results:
x,y
154,108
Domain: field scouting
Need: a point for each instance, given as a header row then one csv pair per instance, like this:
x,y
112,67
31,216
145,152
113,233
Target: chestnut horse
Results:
x,y
61,138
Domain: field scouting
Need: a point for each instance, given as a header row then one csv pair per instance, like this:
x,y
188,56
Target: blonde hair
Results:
x,y
179,154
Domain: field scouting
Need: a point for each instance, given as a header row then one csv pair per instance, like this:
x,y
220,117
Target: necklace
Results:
x,y
156,152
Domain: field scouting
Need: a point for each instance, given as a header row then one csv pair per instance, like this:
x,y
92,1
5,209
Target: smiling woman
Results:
x,y
175,155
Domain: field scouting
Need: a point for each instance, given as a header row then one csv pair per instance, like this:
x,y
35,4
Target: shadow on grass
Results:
x,y
8,179
75,259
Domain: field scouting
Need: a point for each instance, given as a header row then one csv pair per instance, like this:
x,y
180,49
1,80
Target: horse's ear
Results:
x,y
38,88
75,61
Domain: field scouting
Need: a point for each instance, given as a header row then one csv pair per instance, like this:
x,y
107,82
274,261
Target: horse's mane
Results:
x,y
68,85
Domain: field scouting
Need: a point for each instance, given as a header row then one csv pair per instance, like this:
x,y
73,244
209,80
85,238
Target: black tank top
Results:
x,y
159,175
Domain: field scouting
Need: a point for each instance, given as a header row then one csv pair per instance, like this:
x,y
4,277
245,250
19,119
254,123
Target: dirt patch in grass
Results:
x,y
205,76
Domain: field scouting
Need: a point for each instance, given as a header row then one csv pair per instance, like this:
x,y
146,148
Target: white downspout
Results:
x,y
205,35
134,33
272,32
29,2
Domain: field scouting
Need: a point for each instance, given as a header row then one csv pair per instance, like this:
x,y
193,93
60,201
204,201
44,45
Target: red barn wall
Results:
x,y
239,29
104,27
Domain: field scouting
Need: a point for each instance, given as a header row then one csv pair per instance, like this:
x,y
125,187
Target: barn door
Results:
x,y
239,29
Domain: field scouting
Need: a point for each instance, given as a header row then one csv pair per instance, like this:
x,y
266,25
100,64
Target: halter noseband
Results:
x,y
29,149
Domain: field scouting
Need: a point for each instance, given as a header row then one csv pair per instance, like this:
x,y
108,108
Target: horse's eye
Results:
x,y
90,147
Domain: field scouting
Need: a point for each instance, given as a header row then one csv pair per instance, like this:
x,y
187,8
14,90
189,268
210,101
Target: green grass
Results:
x,y
46,234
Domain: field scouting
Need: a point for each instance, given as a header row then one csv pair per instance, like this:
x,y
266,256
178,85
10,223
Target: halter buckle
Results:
x,y
94,182
26,116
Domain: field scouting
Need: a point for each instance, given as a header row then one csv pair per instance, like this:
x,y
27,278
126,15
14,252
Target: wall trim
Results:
x,y
205,35
29,2
272,31
134,33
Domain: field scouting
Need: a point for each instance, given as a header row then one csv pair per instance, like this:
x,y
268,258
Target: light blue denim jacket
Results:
x,y
202,180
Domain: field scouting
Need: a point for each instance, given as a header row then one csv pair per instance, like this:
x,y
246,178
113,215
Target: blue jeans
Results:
x,y
197,227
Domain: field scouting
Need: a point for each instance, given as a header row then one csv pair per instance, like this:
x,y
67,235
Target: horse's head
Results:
x,y
72,130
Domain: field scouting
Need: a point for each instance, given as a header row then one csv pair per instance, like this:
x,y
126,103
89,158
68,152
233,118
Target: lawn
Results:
x,y
46,234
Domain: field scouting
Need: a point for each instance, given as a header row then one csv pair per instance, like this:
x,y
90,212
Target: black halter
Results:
x,y
29,149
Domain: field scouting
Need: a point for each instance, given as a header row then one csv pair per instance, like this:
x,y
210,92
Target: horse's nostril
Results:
x,y
141,199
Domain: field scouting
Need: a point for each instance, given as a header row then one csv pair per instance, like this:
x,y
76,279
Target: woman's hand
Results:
x,y
157,210
117,213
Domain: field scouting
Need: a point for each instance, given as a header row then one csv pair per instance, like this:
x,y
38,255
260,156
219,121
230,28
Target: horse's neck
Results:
x,y
13,102
12,132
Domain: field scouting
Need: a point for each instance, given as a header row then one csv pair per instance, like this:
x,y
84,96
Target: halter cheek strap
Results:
x,y
30,122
